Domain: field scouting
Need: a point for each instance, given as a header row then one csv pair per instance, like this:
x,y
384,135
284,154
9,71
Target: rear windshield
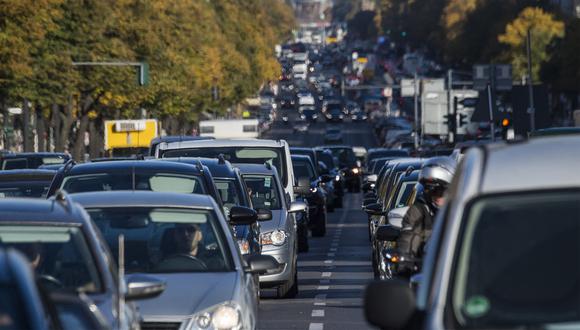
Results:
x,y
160,182
263,191
28,189
245,155
519,262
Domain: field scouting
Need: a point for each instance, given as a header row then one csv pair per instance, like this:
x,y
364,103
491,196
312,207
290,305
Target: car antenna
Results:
x,y
221,158
63,198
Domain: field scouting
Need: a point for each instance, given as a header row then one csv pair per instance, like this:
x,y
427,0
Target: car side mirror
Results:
x,y
368,201
387,233
374,209
261,263
241,215
389,304
297,207
395,216
141,286
264,214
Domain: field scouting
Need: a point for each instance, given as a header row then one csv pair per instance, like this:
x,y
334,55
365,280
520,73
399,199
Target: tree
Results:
x,y
544,30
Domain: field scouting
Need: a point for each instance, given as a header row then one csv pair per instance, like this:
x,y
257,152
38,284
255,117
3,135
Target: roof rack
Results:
x,y
199,165
64,199
409,170
221,159
68,165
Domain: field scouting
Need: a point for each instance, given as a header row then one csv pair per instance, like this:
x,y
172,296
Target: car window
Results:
x,y
245,155
346,157
14,164
160,182
327,159
519,262
229,193
59,256
303,169
165,240
29,189
263,191
404,193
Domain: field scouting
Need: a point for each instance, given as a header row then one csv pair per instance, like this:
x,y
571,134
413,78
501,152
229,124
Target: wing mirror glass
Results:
x,y
141,286
374,209
264,214
297,206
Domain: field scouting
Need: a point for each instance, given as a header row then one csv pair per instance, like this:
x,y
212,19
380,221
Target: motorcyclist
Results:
x,y
435,176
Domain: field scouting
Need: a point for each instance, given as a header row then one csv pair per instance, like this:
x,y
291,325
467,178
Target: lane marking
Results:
x,y
316,326
328,261
326,274
317,313
323,287
320,303
320,296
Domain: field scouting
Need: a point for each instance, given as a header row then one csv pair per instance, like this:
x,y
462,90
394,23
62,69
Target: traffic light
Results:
x,y
507,128
506,122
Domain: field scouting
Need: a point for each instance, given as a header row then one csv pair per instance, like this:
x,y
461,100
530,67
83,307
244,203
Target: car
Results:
x,y
25,183
349,165
152,175
233,191
185,240
331,167
286,100
67,253
274,152
375,153
333,113
305,98
31,160
308,112
279,236
333,135
173,138
481,267
301,126
357,115
310,184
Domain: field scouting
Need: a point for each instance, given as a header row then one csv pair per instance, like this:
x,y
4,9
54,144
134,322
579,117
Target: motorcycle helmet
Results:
x,y
435,175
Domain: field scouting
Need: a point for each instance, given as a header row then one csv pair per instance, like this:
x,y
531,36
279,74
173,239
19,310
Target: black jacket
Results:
x,y
417,228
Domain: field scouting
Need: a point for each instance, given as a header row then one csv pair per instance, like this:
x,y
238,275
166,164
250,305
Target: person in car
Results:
x,y
182,249
435,176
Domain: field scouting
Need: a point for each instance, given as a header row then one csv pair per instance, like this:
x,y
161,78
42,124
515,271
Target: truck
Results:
x,y
230,128
129,137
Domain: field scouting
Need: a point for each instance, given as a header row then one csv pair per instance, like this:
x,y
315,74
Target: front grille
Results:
x,y
160,325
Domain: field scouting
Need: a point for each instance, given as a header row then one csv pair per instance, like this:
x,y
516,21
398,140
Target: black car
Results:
x,y
31,160
153,175
334,112
349,165
308,112
25,183
326,167
67,254
286,100
306,175
233,191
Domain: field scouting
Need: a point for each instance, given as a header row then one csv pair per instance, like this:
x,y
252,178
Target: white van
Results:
x,y
230,128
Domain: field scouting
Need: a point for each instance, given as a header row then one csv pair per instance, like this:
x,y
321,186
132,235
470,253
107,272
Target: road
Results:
x,y
333,274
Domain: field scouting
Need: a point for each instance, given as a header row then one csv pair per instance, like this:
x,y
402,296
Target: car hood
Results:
x,y
278,219
186,294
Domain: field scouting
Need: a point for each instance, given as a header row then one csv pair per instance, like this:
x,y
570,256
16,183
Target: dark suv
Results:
x,y
153,175
31,160
349,165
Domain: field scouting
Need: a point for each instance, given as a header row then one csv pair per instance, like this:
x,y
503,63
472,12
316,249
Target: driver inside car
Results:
x,y
181,247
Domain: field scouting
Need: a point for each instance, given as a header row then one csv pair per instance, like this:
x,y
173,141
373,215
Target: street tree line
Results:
x,y
190,46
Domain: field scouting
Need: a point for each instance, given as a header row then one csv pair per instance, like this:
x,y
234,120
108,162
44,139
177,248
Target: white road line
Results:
x,y
323,287
316,326
320,303
320,297
326,274
328,261
318,313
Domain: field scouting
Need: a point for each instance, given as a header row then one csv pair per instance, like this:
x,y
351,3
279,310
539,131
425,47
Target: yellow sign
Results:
x,y
362,60
331,40
246,114
129,133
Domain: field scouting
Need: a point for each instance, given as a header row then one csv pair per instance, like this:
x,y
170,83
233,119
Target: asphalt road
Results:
x,y
333,274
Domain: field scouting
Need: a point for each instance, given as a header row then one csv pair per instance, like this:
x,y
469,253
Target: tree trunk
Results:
x,y
79,143
26,132
41,129
67,121
54,131
96,146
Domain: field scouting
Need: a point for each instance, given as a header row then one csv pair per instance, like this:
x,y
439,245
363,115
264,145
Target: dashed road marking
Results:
x,y
316,326
318,313
323,287
326,274
328,261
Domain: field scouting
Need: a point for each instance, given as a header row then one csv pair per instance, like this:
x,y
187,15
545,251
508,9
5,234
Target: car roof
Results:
x,y
546,163
301,157
36,154
27,174
257,169
224,143
133,164
53,211
219,168
175,138
143,198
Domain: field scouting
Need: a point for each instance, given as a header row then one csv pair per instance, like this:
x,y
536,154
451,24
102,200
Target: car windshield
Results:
x,y
263,191
165,240
327,159
303,169
346,157
229,193
245,155
160,182
519,262
59,256
29,189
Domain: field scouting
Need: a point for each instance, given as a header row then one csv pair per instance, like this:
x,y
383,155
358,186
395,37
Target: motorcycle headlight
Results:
x,y
225,316
244,246
313,190
276,237
355,170
337,178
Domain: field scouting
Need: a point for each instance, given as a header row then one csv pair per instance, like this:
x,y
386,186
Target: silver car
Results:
x,y
278,237
185,241
504,252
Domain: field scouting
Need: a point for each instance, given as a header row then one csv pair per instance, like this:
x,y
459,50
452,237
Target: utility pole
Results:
x,y
531,109
416,110
490,104
450,134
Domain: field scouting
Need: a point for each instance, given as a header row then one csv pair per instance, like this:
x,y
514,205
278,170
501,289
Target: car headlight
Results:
x,y
244,246
313,190
314,116
337,178
355,170
276,237
302,116
225,316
